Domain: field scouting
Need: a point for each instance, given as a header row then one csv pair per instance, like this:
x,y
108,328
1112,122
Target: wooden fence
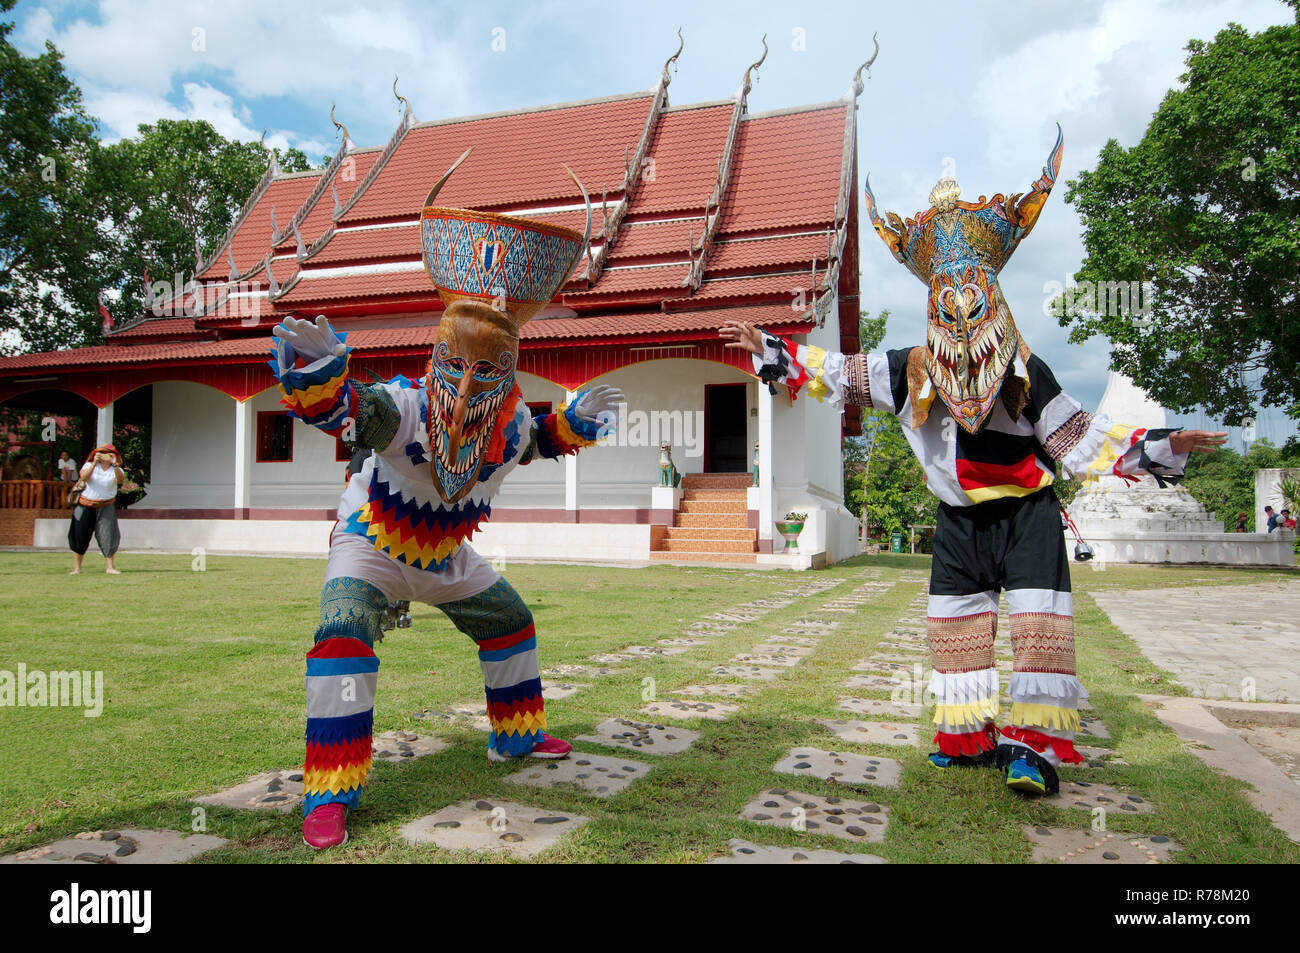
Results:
x,y
33,494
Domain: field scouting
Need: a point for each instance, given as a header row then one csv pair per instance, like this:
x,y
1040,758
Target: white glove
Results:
x,y
315,342
599,404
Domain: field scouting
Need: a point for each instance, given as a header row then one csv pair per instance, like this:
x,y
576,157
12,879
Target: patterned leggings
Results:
x,y
1014,544
342,672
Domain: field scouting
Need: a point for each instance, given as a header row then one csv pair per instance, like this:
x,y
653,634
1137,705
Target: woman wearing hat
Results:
x,y
96,513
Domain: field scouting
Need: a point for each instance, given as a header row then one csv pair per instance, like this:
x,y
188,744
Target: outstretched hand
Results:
x,y
741,335
1197,441
599,400
310,340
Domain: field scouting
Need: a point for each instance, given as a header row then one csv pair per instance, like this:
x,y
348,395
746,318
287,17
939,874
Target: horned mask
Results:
x,y
958,249
493,273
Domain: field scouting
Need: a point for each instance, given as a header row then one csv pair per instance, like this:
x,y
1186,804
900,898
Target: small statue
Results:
x,y
668,475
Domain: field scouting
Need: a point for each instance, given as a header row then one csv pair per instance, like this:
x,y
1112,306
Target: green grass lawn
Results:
x,y
204,682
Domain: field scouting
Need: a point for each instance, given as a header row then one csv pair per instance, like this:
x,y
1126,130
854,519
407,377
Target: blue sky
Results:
x,y
974,88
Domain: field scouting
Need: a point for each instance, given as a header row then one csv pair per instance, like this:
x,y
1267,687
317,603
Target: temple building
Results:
x,y
702,213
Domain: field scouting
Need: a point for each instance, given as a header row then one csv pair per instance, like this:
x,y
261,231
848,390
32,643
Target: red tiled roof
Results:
x,y
252,240
750,253
686,148
615,280
787,171
370,244
156,327
765,285
604,326
349,175
380,285
636,240
517,158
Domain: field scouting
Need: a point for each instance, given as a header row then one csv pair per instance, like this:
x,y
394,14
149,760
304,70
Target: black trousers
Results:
x,y
97,521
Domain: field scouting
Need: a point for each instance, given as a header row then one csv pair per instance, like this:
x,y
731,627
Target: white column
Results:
x,y
104,425
243,454
766,481
571,474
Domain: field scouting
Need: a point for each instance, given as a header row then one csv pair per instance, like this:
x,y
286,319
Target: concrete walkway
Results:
x,y
1234,642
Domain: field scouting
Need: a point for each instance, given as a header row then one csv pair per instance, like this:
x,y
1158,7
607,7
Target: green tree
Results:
x,y
51,248
1204,208
177,180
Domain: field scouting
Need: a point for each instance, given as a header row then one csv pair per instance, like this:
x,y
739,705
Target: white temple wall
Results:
x,y
193,448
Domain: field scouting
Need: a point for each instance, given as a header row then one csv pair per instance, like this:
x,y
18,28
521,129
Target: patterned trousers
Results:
x,y
343,670
1016,545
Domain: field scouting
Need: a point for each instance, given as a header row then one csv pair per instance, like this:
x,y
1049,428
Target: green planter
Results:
x,y
790,530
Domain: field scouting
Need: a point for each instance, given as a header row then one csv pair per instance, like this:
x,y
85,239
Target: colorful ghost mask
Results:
x,y
958,250
493,273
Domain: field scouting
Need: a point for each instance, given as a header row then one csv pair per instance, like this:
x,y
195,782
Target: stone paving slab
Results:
x,y
872,732
1093,726
271,790
1089,847
473,712
601,775
580,671
811,626
765,658
683,643
873,683
775,648
399,746
1099,757
684,710
1088,795
518,829
634,652
744,852
876,706
125,846
648,737
906,659
717,690
841,766
1257,623
803,640
873,665
840,817
553,690
754,672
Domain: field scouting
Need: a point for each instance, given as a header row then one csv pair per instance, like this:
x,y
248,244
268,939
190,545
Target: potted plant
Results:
x,y
790,528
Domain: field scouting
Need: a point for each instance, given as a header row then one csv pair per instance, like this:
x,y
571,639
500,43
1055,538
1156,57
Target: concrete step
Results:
x,y
711,532
706,557
714,506
715,494
709,545
716,481
720,520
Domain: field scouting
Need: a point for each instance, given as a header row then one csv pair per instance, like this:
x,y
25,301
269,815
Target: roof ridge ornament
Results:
x,y
347,139
272,285
408,114
857,75
672,60
746,85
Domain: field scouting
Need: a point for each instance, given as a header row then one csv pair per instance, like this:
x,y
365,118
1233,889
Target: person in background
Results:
x,y
1241,523
67,468
1285,521
1271,517
96,512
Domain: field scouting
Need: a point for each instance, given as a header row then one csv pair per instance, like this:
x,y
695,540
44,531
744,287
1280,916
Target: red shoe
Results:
x,y
550,748
326,826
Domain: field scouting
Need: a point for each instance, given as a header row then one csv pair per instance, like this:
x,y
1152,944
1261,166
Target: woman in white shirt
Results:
x,y
96,513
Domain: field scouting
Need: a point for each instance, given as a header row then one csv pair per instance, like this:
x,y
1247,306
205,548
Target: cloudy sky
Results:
x,y
974,88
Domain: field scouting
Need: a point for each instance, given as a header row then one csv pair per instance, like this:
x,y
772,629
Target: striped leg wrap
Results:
x,y
342,671
502,626
961,630
1045,692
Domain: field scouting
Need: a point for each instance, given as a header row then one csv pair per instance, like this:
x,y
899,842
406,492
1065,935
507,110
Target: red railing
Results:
x,y
33,494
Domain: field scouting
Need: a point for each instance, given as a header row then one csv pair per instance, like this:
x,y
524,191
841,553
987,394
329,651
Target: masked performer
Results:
x,y
989,424
442,447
